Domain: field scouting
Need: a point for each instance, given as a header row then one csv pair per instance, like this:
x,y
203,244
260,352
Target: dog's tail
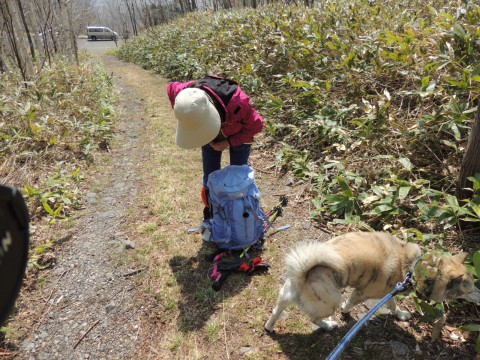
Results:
x,y
305,256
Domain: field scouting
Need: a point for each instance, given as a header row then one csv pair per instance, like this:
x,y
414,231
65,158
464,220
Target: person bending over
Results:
x,y
215,114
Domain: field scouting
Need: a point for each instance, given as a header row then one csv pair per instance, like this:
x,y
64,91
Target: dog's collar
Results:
x,y
425,272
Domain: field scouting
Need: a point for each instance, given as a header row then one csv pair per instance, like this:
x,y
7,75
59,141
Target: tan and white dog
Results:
x,y
371,263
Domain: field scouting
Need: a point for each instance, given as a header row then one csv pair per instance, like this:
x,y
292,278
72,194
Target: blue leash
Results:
x,y
400,287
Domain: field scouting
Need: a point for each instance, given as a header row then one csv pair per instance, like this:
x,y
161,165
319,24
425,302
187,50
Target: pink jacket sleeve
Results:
x,y
243,121
174,88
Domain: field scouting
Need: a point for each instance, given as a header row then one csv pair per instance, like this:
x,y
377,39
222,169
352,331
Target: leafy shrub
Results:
x,y
48,129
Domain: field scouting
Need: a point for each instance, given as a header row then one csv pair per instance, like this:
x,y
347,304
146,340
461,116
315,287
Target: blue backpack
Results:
x,y
238,220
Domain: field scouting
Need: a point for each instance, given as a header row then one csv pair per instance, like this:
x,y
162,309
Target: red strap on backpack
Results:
x,y
205,196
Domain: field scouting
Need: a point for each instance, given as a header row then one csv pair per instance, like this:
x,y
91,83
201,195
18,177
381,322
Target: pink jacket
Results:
x,y
242,121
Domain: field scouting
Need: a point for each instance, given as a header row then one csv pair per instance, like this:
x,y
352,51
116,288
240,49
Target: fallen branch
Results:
x,y
7,353
85,334
133,272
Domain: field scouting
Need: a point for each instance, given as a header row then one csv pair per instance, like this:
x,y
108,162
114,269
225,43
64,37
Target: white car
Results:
x,y
101,33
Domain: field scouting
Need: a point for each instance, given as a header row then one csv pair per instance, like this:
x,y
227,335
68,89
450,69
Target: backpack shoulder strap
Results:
x,y
224,78
224,88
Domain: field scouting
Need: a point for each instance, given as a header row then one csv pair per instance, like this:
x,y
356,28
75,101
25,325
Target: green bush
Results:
x,y
48,129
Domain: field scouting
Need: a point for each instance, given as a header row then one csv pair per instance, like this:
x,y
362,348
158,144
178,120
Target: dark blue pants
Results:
x,y
212,159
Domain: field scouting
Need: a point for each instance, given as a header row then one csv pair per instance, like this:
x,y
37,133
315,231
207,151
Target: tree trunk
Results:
x,y
471,160
182,7
47,22
32,19
3,45
65,31
133,17
27,28
71,31
24,61
3,59
148,14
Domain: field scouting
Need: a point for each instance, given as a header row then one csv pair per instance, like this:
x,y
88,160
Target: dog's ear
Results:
x,y
456,282
461,257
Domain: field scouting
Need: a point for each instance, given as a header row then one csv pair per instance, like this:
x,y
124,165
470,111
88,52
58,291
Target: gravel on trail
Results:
x,y
87,308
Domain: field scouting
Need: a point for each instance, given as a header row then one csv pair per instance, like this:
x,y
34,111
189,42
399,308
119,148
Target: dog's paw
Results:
x,y
344,309
327,325
402,315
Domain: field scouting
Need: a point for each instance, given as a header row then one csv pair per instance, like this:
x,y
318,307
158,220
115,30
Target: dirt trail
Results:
x,y
87,309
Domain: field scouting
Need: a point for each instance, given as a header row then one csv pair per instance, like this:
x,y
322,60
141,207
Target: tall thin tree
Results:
x,y
16,36
471,160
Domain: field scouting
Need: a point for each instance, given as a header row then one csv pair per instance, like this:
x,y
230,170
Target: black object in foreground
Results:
x,y
14,242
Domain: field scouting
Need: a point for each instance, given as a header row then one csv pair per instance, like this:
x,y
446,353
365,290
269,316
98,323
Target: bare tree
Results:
x,y
145,7
45,10
193,5
66,34
26,27
471,160
158,12
28,33
71,31
32,19
16,37
227,4
83,14
131,7
3,46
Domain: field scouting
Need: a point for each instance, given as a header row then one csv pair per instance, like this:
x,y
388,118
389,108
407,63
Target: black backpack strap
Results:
x,y
223,87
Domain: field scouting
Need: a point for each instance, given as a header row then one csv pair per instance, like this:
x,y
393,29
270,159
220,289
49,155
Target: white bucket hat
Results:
x,y
198,120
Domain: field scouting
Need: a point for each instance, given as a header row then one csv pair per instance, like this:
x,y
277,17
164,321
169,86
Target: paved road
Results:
x,y
99,46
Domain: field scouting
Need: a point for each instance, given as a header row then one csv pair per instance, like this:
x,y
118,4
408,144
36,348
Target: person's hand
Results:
x,y
220,146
